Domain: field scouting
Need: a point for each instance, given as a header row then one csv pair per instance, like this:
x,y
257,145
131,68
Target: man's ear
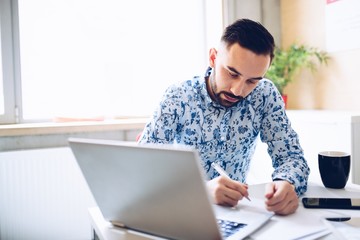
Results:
x,y
212,57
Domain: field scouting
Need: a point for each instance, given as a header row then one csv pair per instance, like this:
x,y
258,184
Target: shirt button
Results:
x,y
222,138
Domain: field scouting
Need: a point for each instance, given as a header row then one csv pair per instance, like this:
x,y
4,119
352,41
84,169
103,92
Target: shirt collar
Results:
x,y
207,99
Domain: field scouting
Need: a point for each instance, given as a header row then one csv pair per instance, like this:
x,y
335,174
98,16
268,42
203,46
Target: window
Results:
x,y
107,58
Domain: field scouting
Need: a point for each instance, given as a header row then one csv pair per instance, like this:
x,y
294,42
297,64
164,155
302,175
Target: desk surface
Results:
x,y
303,216
307,219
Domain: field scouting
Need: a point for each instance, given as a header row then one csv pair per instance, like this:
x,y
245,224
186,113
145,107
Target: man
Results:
x,y
223,113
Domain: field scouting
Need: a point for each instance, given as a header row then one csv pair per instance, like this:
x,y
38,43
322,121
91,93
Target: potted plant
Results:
x,y
287,63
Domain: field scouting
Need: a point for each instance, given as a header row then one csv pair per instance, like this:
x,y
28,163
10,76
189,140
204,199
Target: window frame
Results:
x,y
9,63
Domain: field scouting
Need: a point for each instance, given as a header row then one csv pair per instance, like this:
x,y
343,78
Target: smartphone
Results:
x,y
331,203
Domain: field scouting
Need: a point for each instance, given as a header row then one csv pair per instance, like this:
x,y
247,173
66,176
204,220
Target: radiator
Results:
x,y
43,196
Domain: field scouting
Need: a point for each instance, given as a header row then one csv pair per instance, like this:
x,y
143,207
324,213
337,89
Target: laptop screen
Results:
x,y
156,189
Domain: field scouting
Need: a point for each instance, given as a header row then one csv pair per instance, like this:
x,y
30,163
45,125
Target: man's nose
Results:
x,y
237,87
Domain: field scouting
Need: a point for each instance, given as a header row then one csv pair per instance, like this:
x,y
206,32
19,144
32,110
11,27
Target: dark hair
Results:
x,y
250,35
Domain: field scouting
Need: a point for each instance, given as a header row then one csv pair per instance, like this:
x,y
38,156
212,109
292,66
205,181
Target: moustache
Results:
x,y
231,95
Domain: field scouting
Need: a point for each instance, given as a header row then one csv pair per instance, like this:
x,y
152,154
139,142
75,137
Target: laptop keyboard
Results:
x,y
227,228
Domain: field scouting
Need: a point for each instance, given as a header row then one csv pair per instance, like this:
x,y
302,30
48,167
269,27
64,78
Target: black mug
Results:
x,y
334,168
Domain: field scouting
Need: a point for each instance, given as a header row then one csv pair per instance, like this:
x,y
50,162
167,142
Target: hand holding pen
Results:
x,y
241,189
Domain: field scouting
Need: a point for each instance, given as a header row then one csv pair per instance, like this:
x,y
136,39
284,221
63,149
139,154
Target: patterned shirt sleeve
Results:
x,y
164,123
284,146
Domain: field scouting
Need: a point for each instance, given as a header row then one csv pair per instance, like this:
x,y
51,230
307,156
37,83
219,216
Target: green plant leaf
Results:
x,y
287,63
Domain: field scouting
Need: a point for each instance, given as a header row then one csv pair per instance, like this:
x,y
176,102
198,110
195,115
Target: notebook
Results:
x,y
158,190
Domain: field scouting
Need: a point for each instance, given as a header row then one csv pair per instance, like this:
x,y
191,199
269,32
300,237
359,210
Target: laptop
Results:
x,y
158,190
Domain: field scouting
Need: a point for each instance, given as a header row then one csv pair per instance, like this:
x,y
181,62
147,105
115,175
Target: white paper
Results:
x,y
300,225
344,230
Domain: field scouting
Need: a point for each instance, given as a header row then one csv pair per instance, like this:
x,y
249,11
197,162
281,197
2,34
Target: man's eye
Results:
x,y
252,81
234,75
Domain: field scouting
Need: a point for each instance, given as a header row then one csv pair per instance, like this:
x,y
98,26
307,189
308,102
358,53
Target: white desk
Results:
x,y
105,231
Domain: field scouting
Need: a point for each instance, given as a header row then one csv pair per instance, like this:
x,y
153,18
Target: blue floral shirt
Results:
x,y
187,115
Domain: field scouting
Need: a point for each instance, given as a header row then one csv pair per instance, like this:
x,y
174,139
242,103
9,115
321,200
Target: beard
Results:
x,y
224,98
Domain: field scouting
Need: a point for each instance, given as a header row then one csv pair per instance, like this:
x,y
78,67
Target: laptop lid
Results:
x,y
155,189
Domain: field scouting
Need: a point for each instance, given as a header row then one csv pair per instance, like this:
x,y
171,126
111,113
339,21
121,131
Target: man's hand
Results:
x,y
281,198
225,191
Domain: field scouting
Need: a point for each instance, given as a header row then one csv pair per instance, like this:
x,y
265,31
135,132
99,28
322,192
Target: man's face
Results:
x,y
236,72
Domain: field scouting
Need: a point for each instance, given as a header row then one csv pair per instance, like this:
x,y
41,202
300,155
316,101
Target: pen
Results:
x,y
222,172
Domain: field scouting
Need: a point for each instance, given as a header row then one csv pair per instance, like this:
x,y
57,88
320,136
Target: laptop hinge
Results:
x,y
118,224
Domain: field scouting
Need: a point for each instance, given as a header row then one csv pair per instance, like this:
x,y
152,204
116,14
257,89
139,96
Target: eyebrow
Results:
x,y
237,72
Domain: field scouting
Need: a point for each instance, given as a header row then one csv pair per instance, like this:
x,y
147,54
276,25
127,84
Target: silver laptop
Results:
x,y
158,190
